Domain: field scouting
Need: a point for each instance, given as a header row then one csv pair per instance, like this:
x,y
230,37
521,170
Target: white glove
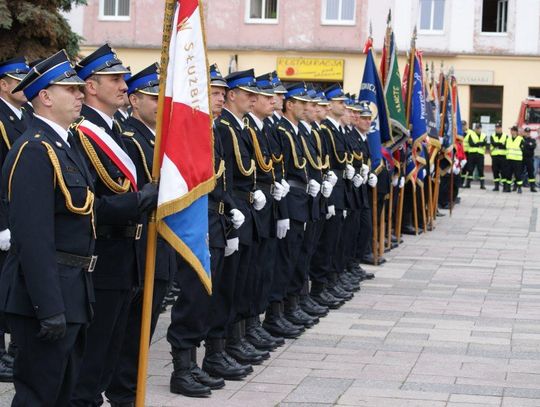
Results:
x,y
5,240
372,180
331,211
455,169
232,246
349,172
237,218
278,191
282,226
463,163
326,189
332,178
401,182
357,180
259,200
395,181
364,171
344,214
431,168
285,185
313,188
424,173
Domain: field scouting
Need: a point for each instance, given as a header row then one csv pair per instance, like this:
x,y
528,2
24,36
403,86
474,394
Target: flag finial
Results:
x,y
370,29
389,18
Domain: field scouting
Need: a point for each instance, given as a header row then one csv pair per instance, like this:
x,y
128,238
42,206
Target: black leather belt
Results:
x,y
119,232
74,260
339,173
300,185
218,207
245,196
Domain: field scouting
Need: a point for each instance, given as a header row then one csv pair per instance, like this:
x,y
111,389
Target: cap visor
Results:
x,y
250,89
219,82
339,98
280,89
151,90
266,92
71,80
302,98
111,70
16,76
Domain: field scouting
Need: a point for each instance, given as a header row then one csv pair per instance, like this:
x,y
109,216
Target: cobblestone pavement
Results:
x,y
452,319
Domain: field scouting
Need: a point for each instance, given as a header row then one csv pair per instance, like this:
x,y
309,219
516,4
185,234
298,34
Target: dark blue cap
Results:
x,y
216,79
244,80
55,70
364,109
322,97
278,85
264,83
127,75
15,68
146,81
312,93
102,61
297,91
335,92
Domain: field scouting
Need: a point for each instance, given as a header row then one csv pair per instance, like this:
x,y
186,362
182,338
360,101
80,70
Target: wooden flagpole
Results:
x,y
148,291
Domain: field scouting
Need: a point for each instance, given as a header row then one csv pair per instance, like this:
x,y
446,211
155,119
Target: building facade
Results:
x,y
492,45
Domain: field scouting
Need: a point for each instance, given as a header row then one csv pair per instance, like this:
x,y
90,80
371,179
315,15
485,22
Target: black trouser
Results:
x,y
498,165
189,313
266,262
241,302
476,160
322,262
302,261
288,250
365,232
465,171
223,284
256,270
528,163
515,170
104,344
351,226
44,373
123,386
315,272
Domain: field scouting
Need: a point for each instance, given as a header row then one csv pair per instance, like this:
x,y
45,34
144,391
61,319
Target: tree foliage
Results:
x,y
36,29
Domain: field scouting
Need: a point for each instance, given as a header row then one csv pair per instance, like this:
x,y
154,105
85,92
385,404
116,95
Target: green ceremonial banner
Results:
x,y
393,94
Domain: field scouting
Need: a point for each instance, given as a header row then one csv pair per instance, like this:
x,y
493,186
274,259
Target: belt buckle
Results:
x,y
138,232
251,198
92,265
221,208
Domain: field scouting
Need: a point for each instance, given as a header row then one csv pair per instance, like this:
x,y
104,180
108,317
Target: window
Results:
x,y
431,15
534,92
486,104
116,10
339,12
262,11
494,16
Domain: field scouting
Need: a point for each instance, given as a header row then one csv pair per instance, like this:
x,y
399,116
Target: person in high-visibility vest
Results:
x,y
529,145
477,143
498,156
514,157
465,168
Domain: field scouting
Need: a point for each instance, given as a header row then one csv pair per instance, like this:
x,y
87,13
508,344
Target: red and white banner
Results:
x,y
186,148
110,147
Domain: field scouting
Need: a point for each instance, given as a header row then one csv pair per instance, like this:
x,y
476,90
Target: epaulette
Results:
x,y
225,122
128,133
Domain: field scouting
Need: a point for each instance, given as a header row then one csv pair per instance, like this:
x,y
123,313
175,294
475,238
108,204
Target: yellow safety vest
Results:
x,y
475,138
513,148
496,151
466,147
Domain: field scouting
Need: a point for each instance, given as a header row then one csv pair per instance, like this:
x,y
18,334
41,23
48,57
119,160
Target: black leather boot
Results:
x,y
203,377
9,356
217,363
482,184
128,404
240,349
320,294
278,340
296,315
496,188
254,336
182,380
277,325
311,307
6,372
